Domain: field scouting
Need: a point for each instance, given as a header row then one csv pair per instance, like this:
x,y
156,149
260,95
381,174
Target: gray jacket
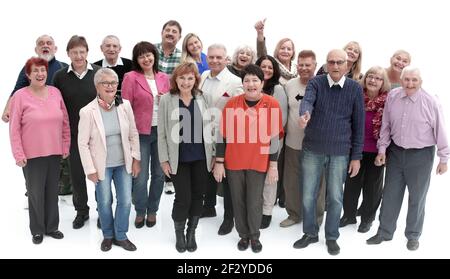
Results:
x,y
169,130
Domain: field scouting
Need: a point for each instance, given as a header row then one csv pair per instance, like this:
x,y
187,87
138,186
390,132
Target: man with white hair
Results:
x,y
412,125
46,49
333,113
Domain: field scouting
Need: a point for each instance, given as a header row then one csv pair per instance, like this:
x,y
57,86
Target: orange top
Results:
x,y
248,131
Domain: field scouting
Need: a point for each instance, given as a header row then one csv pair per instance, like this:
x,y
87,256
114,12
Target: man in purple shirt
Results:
x,y
412,126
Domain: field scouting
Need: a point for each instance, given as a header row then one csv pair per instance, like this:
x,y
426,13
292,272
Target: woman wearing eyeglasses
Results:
x,y
370,177
143,87
109,150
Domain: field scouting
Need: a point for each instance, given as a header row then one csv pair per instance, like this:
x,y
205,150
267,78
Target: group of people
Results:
x,y
258,128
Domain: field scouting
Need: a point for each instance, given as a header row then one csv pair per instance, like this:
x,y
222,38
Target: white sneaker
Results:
x,y
168,188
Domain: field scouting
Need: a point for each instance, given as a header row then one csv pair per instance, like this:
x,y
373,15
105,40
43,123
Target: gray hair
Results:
x,y
218,46
42,36
111,37
340,51
245,48
104,72
410,69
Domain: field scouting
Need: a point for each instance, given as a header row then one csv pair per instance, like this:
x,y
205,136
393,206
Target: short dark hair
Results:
x,y
36,61
275,79
143,48
172,23
76,41
253,70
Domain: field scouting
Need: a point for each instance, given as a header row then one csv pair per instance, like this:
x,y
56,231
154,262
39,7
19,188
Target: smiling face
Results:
x,y
37,76
146,61
45,47
216,60
336,64
107,87
285,52
374,81
252,87
78,56
306,67
185,83
244,58
170,35
194,46
399,61
411,82
267,68
111,49
353,52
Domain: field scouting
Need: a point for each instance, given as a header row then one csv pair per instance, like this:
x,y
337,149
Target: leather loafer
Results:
x,y
226,227
265,221
332,247
346,221
125,244
56,234
305,241
106,244
412,245
243,244
376,239
256,245
139,222
150,221
364,227
37,238
79,221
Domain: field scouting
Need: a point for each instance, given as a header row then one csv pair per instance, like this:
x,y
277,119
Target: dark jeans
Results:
x,y
210,196
80,196
190,183
42,176
370,180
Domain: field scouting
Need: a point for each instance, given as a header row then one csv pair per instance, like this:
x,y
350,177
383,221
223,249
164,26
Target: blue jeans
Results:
x,y
148,201
312,166
114,227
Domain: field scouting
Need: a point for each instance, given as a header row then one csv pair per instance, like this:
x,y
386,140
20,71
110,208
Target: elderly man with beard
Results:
x,y
46,49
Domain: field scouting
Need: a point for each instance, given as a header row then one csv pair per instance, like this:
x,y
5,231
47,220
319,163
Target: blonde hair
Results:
x,y
185,55
356,67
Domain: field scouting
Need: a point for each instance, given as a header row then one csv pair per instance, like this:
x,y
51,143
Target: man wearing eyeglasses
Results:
x,y
76,83
332,113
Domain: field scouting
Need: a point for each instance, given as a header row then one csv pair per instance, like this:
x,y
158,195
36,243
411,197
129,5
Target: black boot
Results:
x,y
179,233
191,245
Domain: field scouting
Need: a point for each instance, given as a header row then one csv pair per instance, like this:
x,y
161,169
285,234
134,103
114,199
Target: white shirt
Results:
x,y
105,63
331,82
80,76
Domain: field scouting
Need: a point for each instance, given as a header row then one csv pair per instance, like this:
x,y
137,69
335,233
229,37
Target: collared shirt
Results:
x,y
80,76
331,82
414,121
168,64
105,63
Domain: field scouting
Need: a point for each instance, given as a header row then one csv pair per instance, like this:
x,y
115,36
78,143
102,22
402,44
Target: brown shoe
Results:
x,y
106,244
139,222
151,220
125,244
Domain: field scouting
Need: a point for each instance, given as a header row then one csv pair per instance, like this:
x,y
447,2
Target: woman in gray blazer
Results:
x,y
185,149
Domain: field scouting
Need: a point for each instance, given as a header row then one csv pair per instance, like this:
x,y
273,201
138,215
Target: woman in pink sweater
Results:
x,y
40,136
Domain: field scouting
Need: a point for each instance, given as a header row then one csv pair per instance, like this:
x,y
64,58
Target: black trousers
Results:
x,y
370,180
190,184
80,196
42,176
210,196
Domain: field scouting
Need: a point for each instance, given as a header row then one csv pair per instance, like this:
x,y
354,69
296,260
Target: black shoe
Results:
x,y
376,239
333,247
56,234
305,241
364,227
106,244
243,244
79,221
139,223
152,222
412,245
98,223
265,221
125,244
208,212
281,203
226,227
346,221
37,238
256,245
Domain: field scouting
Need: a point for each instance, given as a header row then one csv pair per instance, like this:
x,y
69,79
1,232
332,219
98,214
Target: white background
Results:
x,y
381,27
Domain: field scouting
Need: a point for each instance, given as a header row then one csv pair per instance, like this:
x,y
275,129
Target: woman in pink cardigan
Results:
x,y
143,87
40,135
109,150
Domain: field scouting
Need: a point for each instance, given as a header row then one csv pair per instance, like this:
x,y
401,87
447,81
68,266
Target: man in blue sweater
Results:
x,y
332,113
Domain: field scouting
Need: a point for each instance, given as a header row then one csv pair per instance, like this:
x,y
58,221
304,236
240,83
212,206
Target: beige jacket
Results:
x,y
169,127
92,140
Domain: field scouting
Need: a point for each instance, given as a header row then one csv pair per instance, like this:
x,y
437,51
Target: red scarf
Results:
x,y
104,104
376,105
